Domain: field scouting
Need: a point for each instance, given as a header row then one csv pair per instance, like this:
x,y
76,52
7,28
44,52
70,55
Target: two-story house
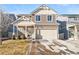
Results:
x,y
41,23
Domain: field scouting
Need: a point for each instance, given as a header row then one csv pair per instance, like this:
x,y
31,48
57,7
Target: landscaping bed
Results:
x,y
14,47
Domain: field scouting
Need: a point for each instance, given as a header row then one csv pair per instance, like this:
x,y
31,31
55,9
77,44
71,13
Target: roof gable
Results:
x,y
23,21
44,9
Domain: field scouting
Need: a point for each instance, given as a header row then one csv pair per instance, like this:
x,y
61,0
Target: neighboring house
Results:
x,y
5,24
11,19
73,26
45,27
62,27
62,30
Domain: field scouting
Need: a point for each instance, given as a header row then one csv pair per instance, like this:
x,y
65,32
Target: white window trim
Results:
x,y
35,18
47,18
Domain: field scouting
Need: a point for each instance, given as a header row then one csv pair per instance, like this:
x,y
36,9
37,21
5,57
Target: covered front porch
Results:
x,y
74,32
25,28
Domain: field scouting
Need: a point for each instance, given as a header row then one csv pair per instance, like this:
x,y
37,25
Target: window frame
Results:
x,y
36,18
51,18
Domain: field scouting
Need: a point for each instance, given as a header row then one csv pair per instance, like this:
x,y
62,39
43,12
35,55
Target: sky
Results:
x,y
28,8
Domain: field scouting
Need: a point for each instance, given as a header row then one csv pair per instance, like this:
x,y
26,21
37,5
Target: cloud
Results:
x,y
73,11
64,5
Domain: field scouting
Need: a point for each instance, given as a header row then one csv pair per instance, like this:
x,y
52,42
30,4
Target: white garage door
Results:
x,y
49,34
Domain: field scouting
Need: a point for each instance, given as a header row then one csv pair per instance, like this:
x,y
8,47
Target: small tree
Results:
x,y
0,27
5,22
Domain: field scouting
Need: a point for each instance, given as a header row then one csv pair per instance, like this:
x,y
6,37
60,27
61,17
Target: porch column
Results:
x,y
75,33
34,32
26,31
13,33
17,33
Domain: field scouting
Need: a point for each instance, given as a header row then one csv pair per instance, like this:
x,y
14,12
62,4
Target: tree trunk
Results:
x,y
0,41
0,38
0,27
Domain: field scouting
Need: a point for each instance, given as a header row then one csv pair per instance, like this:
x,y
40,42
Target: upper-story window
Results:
x,y
49,18
37,18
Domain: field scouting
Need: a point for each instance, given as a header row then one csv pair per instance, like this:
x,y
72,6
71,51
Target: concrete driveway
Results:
x,y
57,47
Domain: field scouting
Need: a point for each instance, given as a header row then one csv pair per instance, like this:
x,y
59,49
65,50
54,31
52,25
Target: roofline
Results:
x,y
70,14
47,6
22,14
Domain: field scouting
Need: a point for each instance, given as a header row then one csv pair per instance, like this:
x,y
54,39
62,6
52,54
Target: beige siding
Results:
x,y
47,27
44,24
44,20
46,12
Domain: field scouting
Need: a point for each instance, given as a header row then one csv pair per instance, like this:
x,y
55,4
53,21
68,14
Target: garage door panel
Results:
x,y
49,34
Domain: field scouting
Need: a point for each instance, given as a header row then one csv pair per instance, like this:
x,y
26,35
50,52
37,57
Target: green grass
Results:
x,y
14,47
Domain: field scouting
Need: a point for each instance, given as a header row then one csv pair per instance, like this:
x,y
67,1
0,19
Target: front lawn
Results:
x,y
14,47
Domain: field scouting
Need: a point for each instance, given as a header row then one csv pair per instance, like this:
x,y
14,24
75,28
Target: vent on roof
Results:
x,y
44,7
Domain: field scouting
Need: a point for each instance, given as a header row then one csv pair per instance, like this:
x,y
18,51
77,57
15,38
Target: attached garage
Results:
x,y
49,34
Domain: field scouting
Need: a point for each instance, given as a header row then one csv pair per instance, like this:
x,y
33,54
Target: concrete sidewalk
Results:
x,y
71,45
